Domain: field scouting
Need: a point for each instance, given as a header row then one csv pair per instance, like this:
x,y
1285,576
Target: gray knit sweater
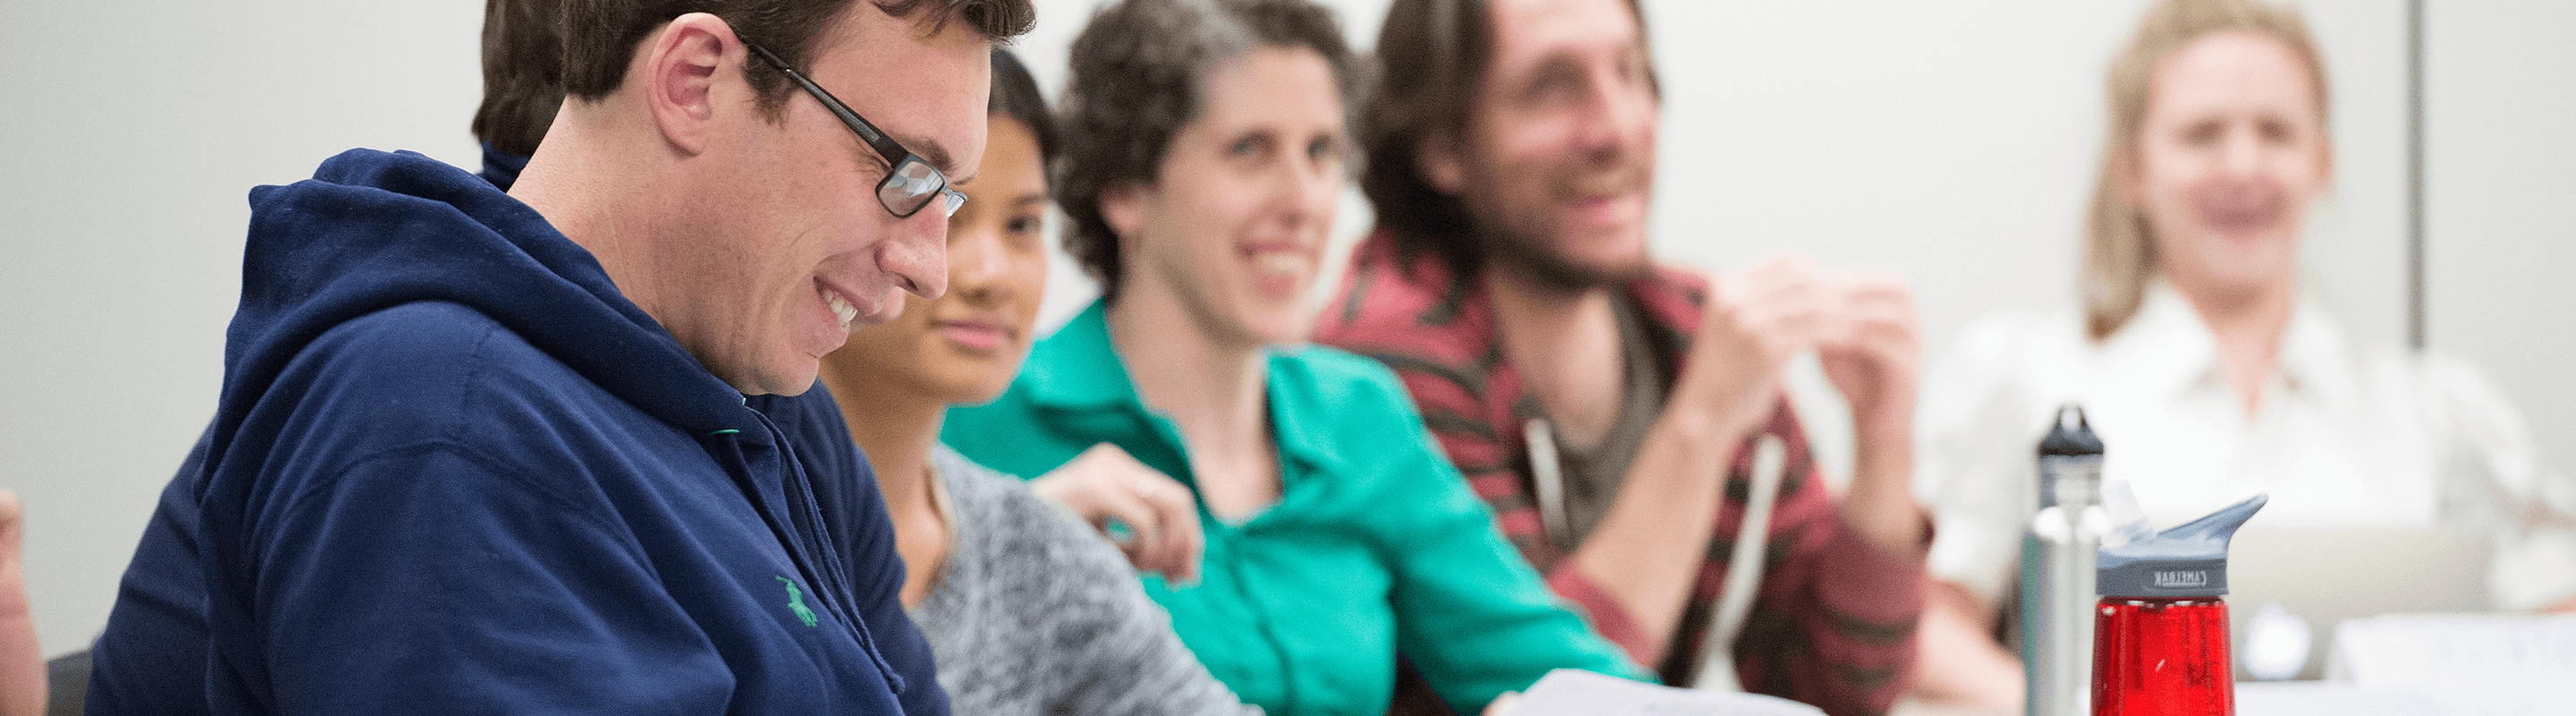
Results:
x,y
1033,613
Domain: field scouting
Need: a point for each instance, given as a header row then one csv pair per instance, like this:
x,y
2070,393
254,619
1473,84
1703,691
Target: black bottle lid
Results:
x,y
2072,436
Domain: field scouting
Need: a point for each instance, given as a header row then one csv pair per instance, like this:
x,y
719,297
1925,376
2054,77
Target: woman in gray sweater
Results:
x,y
1026,610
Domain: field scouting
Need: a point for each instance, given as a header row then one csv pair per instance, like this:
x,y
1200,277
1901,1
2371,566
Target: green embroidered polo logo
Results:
x,y
796,601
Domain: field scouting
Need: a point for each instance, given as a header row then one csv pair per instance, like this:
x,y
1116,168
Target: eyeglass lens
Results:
x,y
912,185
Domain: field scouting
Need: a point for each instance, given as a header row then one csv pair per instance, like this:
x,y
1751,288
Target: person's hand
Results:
x,y
1105,483
1871,350
10,527
13,584
2564,606
1502,705
22,663
1754,322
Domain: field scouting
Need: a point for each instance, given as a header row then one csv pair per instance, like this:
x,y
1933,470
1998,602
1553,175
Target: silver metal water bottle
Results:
x,y
2057,557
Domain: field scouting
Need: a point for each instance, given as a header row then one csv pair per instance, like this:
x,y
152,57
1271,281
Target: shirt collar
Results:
x,y
2317,360
1300,418
1083,370
2166,346
1084,373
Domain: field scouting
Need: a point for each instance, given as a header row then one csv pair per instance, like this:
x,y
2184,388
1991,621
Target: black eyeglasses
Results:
x,y
912,183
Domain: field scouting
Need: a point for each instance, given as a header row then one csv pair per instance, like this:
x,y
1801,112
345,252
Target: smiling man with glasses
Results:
x,y
490,453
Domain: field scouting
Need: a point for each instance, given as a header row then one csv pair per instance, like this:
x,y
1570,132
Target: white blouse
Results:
x,y
2347,435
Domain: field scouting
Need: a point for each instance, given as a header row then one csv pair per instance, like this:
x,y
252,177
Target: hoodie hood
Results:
x,y
373,230
501,168
422,365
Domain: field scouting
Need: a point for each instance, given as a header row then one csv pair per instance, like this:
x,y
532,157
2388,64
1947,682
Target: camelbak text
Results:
x,y
2179,579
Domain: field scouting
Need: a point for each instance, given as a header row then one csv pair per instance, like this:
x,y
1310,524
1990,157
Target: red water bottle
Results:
x,y
2160,631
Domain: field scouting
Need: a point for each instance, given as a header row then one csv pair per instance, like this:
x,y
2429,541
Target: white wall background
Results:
x,y
2501,171
1952,140
133,131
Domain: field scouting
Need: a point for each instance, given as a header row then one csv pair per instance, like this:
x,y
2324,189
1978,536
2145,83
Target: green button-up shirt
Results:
x,y
1302,608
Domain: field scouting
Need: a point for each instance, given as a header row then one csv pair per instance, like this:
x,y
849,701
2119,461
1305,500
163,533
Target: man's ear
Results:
x,y
1123,206
684,81
1438,160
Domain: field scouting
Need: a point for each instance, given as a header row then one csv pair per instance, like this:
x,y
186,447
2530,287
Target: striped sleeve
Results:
x,y
1834,623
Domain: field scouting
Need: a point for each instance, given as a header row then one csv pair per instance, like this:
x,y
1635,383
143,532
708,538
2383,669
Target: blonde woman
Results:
x,y
2207,369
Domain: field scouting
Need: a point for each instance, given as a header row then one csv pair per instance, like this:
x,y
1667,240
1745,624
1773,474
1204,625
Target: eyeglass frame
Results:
x,y
886,147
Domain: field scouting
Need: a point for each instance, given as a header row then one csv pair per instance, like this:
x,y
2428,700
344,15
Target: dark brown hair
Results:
x,y
1432,56
600,35
1135,80
1015,95
522,70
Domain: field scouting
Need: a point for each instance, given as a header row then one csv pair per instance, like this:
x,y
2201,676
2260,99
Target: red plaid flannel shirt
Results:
x,y
1833,624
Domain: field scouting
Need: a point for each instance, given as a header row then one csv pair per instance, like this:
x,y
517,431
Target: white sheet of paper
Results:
x,y
2330,698
2474,663
1568,692
2459,649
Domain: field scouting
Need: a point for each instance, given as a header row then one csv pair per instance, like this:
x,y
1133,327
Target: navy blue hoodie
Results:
x,y
453,470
